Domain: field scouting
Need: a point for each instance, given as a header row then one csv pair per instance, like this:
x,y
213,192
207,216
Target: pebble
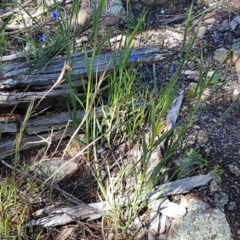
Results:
x,y
220,54
234,23
214,187
231,206
201,32
234,170
221,199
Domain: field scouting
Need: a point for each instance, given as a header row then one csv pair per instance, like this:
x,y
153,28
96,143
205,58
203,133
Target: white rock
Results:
x,y
201,222
201,32
234,170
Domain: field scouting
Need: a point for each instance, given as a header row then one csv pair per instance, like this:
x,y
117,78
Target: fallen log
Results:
x,y
13,77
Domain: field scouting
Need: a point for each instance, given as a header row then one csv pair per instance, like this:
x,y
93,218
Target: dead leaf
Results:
x,y
65,233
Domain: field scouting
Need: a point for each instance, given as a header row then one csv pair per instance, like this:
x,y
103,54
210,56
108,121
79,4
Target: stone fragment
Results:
x,y
235,52
235,22
56,168
236,94
214,187
210,21
231,206
138,6
224,26
73,148
85,12
201,32
220,54
237,66
201,222
113,12
234,170
220,200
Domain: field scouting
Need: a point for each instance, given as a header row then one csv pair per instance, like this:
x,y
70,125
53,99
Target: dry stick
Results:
x,y
65,130
67,195
66,67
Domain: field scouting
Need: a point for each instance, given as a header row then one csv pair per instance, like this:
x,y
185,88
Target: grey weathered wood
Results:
x,y
178,187
41,126
45,123
7,146
11,99
14,77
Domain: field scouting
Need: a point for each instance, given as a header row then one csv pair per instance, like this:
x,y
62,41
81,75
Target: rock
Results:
x,y
73,148
138,6
220,54
214,187
236,94
210,21
234,23
236,56
201,32
110,236
237,66
224,26
235,52
201,222
234,170
231,206
85,12
221,199
113,12
59,168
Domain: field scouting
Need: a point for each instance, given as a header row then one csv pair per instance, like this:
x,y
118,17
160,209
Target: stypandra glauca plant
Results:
x,y
136,113
116,89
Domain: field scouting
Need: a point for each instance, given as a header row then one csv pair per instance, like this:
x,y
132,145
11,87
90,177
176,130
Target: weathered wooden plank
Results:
x,y
178,187
11,99
13,78
42,125
7,146
46,123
